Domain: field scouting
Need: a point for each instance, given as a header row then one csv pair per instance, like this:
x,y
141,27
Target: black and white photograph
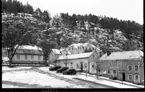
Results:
x,y
77,44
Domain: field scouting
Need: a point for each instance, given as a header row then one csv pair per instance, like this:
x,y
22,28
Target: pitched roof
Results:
x,y
123,55
56,51
76,45
75,56
29,47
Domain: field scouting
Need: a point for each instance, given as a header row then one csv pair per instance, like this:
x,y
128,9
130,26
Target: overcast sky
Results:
x,y
121,9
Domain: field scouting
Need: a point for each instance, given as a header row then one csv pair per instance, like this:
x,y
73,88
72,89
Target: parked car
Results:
x,y
113,78
54,68
62,69
69,71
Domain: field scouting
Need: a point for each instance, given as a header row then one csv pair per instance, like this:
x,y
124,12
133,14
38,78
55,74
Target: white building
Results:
x,y
4,52
80,62
55,53
28,54
77,48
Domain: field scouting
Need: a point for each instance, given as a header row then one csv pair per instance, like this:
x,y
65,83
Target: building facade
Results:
x,y
27,54
77,48
84,62
126,65
55,53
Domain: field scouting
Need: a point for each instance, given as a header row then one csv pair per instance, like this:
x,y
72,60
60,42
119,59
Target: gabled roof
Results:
x,y
29,47
76,45
137,54
59,51
75,56
56,51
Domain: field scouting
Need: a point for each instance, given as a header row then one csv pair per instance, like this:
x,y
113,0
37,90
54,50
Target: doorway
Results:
x,y
136,78
81,66
123,76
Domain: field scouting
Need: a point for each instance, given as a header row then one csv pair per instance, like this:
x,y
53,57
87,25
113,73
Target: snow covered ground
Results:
x,y
16,68
29,78
101,80
41,77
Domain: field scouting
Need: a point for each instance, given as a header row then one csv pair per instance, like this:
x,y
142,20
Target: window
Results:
x,y
39,57
130,77
136,77
26,57
114,71
136,67
108,71
77,65
129,68
5,53
32,57
18,56
85,65
71,63
93,66
83,48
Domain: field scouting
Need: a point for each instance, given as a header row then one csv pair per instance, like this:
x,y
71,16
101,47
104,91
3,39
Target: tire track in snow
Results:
x,y
73,81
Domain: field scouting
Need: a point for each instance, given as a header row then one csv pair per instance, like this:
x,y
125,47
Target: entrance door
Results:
x,y
136,78
123,76
81,66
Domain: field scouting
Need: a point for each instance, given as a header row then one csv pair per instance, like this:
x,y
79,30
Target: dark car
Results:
x,y
69,71
54,68
62,69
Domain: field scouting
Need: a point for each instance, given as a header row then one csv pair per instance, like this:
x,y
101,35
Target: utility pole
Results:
x,y
97,69
66,58
86,70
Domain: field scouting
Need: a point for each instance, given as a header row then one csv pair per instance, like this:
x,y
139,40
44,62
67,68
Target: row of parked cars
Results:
x,y
64,70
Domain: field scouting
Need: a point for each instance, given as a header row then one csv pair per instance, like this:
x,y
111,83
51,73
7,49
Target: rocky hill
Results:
x,y
105,39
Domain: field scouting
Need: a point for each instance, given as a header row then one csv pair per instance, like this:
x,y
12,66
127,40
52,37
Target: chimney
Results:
x,y
108,53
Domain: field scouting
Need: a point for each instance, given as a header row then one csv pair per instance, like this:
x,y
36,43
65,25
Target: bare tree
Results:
x,y
14,29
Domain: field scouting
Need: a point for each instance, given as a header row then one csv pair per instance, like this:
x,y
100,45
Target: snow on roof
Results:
x,y
75,56
76,45
56,51
88,44
29,47
59,51
123,55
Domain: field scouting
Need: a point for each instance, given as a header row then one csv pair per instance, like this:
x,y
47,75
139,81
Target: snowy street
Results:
x,y
41,77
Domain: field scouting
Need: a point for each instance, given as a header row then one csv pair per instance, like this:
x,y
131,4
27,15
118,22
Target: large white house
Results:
x,y
77,48
26,54
80,62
